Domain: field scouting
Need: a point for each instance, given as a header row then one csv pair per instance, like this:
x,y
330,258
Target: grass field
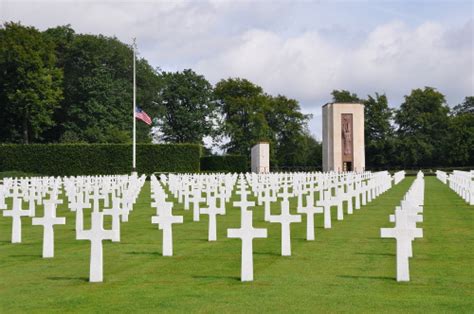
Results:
x,y
349,268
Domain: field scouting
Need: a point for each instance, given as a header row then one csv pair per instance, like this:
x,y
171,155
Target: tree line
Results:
x,y
58,86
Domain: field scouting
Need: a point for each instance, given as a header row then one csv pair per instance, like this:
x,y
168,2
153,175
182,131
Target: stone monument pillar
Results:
x,y
261,157
343,137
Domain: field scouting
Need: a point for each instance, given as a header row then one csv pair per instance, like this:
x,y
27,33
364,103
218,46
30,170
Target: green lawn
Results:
x,y
349,268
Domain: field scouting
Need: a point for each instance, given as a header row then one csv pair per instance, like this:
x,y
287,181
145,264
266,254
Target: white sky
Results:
x,y
301,49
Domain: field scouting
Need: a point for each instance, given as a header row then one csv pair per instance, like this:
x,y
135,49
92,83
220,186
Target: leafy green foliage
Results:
x,y
251,116
226,163
344,96
467,107
242,104
98,91
422,126
187,110
459,142
289,130
93,159
379,140
30,84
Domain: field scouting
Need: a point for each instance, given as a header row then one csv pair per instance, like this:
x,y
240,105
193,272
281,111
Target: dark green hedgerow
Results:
x,y
228,163
93,159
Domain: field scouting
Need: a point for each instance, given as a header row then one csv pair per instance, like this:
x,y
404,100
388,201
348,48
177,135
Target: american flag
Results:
x,y
141,115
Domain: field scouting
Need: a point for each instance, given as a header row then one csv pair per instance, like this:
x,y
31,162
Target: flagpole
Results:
x,y
134,158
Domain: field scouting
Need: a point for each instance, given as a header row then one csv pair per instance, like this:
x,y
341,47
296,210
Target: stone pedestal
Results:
x,y
343,137
261,158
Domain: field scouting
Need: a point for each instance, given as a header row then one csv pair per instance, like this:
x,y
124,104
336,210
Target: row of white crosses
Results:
x,y
86,192
82,193
462,182
334,190
246,233
442,176
406,216
34,191
398,176
164,215
118,193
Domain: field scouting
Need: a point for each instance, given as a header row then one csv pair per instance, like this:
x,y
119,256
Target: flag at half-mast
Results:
x,y
141,115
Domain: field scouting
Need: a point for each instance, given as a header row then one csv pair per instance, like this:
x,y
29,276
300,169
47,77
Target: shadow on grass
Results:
x,y
26,255
267,253
85,279
232,278
367,277
378,254
145,253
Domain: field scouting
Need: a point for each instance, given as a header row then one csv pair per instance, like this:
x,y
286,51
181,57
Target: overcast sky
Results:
x,y
301,49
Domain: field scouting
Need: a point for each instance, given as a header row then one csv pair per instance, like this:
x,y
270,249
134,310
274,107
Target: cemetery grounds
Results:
x,y
348,268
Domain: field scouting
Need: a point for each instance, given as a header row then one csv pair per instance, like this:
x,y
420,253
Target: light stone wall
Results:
x,y
332,136
261,158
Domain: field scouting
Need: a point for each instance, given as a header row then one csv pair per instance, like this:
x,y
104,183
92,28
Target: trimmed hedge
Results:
x,y
95,159
227,163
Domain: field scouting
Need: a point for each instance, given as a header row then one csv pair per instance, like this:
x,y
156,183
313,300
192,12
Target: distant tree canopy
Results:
x,y
251,116
58,86
30,84
422,132
186,107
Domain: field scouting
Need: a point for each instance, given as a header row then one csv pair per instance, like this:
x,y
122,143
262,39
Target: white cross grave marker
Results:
x,y
310,210
247,233
16,213
212,211
96,235
196,200
403,234
326,203
48,221
165,221
285,219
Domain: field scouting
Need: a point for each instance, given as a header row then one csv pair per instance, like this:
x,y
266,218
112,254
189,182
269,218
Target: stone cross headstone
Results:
x,y
267,199
79,207
116,213
48,221
326,203
165,220
403,234
247,233
212,211
16,213
96,235
310,210
197,198
285,219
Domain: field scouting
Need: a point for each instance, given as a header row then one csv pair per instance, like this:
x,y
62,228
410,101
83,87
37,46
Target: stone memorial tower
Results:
x,y
343,137
261,157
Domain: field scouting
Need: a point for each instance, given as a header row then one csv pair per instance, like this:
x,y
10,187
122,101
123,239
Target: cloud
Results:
x,y
393,58
303,50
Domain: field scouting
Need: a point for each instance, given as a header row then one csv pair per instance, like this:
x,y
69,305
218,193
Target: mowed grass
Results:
x,y
348,268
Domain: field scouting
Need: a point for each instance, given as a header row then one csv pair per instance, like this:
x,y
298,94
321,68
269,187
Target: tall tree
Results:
x,y
422,125
467,106
186,106
312,152
344,96
242,105
30,84
98,91
459,142
288,126
379,137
